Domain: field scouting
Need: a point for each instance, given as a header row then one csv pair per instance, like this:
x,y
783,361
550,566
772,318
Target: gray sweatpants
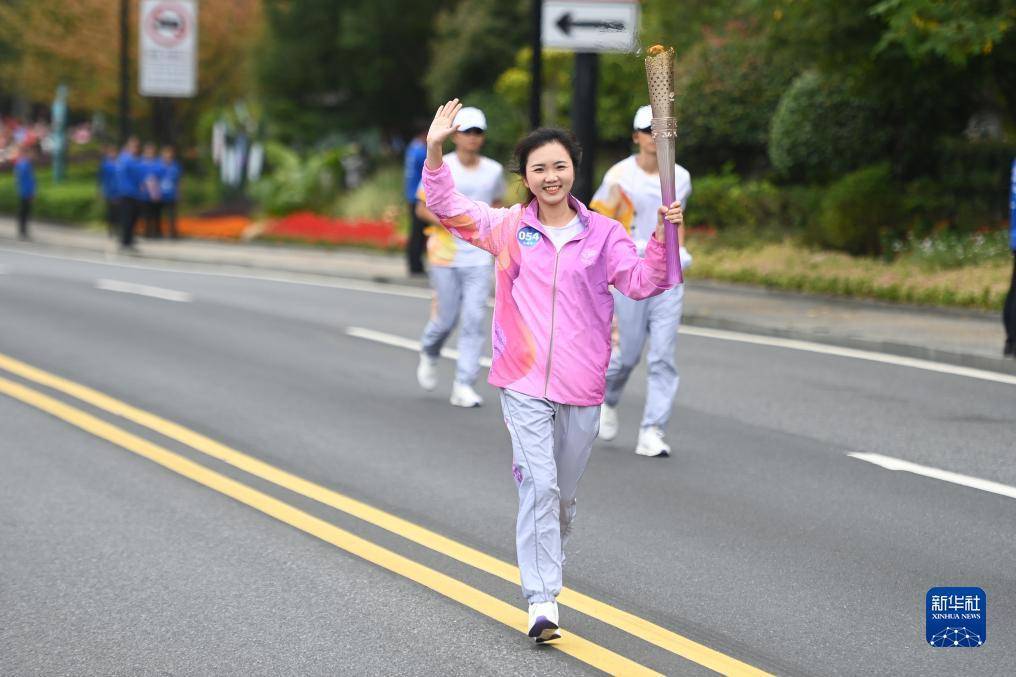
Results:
x,y
459,293
550,448
657,317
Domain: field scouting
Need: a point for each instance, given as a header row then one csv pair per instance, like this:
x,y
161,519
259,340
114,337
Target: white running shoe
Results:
x,y
543,625
426,373
608,422
465,396
651,442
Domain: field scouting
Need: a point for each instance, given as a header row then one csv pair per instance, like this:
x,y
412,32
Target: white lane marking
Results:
x,y
871,356
144,290
400,342
890,463
701,332
306,279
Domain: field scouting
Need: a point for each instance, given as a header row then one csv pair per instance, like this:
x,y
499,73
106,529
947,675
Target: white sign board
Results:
x,y
590,26
168,48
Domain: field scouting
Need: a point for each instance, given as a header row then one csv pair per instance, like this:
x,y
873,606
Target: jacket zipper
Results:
x,y
553,311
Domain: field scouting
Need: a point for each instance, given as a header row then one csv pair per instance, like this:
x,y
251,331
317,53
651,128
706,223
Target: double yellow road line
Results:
x,y
571,644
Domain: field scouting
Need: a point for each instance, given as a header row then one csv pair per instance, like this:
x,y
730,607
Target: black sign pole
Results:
x,y
584,120
125,77
536,72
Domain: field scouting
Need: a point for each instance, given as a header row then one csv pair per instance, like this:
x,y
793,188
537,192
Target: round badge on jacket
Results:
x,y
529,236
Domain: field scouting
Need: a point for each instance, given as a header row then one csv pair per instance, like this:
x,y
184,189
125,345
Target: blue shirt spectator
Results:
x,y
152,171
24,174
1012,208
107,178
128,179
416,155
170,180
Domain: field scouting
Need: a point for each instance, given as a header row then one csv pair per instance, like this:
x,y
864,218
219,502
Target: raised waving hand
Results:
x,y
441,128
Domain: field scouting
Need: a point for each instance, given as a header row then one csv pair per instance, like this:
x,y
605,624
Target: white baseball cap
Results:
x,y
470,117
643,118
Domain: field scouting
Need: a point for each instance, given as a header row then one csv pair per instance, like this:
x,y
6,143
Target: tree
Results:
x,y
923,95
69,41
326,67
955,31
474,41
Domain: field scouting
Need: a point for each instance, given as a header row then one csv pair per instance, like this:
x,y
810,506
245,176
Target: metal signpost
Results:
x,y
167,34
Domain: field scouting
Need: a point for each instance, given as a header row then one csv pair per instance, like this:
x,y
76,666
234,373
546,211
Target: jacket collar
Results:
x,y
530,216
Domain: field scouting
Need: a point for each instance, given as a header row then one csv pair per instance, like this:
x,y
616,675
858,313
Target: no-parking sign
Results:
x,y
168,48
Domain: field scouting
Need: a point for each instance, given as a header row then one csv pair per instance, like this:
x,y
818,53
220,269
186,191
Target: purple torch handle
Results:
x,y
665,132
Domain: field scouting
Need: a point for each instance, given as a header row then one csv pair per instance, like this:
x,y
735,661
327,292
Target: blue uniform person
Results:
x,y
108,188
1009,311
416,153
130,190
151,190
24,174
170,187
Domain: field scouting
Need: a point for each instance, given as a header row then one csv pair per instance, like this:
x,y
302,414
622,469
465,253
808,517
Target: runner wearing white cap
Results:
x,y
630,193
460,273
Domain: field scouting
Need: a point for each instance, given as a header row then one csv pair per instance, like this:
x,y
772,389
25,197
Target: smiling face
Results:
x,y
550,173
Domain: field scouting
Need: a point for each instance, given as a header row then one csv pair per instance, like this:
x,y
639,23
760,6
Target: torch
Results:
x,y
660,76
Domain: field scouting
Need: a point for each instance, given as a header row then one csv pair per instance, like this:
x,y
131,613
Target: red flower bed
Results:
x,y
312,227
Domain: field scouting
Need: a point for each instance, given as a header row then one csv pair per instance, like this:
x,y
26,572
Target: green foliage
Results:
x,y
821,129
326,65
859,211
294,182
728,90
956,31
512,87
919,98
747,212
473,42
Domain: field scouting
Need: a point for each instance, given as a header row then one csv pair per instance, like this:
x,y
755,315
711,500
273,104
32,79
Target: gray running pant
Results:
x,y
550,448
459,292
658,318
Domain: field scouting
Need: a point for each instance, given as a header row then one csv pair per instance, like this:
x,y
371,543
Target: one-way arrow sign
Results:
x,y
589,25
566,23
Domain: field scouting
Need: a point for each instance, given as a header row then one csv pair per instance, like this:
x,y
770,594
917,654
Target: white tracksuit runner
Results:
x,y
632,196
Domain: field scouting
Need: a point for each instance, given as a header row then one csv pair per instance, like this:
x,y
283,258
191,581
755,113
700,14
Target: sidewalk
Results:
x,y
968,338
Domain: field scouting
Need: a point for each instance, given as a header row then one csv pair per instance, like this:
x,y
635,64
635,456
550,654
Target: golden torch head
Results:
x,y
660,76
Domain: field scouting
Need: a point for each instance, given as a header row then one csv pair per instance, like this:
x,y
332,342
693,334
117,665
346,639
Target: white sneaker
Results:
x,y
543,622
426,373
651,442
608,422
465,396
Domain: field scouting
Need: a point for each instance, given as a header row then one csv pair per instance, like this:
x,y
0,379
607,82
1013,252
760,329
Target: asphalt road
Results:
x,y
760,538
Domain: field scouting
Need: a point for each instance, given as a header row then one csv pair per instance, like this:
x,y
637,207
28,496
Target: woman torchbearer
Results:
x,y
554,261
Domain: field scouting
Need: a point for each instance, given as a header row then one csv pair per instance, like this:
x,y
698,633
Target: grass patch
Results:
x,y
789,266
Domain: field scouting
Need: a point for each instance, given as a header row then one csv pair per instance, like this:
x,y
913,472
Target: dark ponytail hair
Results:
x,y
539,138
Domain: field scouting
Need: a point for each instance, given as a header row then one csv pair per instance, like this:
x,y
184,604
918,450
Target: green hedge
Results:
x,y
821,130
727,91
746,212
860,212
72,201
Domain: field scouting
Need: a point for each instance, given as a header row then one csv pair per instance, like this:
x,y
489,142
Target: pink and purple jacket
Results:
x,y
552,309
